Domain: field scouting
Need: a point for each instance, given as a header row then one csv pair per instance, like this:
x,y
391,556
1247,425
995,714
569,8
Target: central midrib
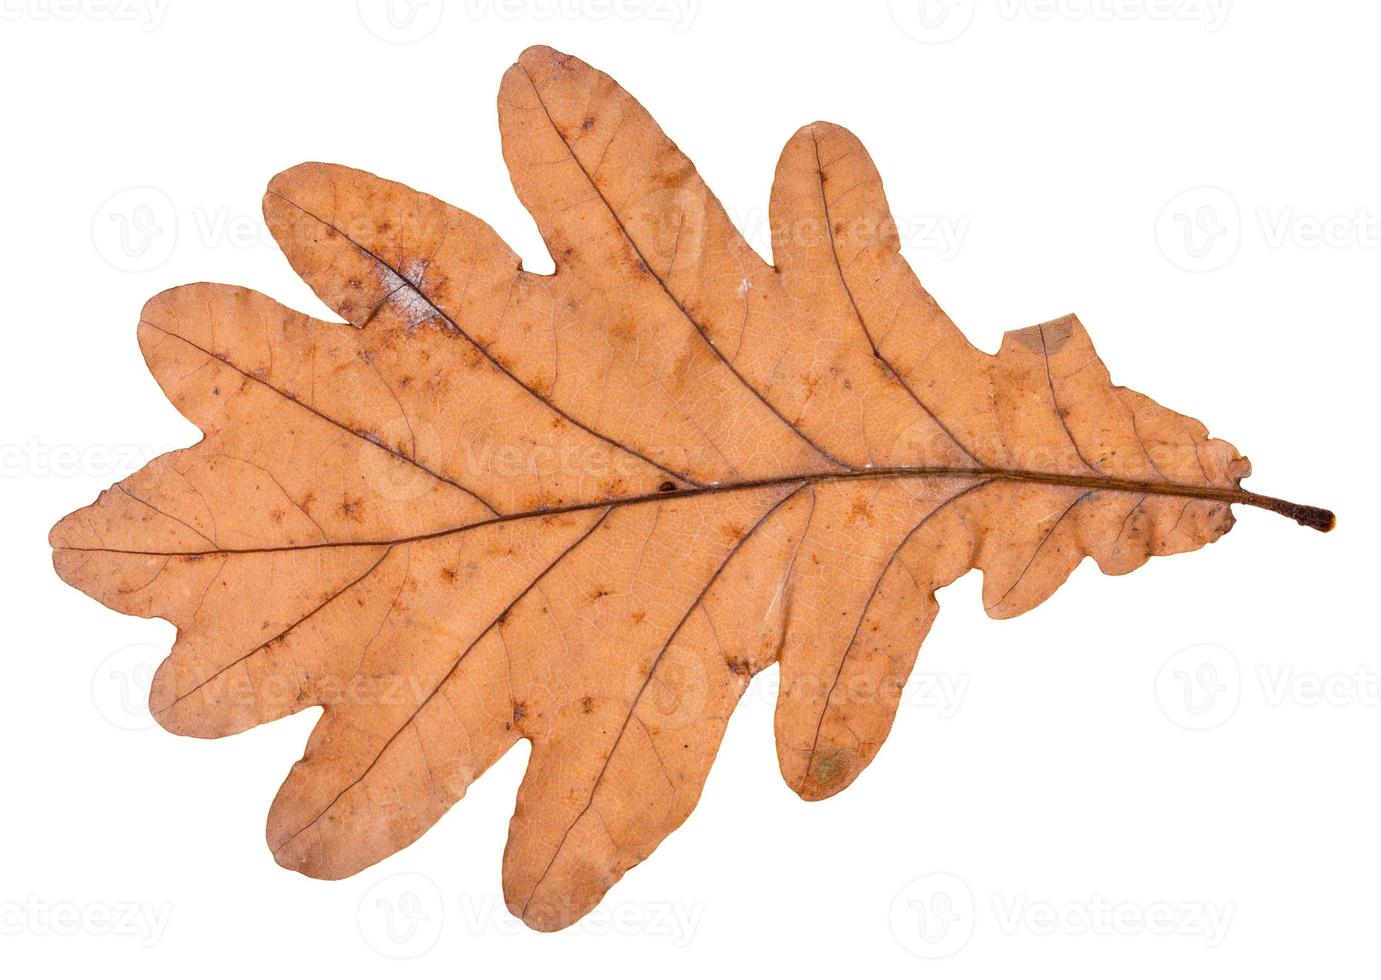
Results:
x,y
1304,514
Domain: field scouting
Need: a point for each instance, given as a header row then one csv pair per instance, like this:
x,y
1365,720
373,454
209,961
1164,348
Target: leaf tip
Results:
x,y
543,57
829,771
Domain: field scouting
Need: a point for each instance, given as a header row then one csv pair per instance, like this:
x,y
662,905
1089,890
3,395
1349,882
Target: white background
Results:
x,y
1045,804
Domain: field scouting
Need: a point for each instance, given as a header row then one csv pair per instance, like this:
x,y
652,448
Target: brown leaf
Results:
x,y
584,509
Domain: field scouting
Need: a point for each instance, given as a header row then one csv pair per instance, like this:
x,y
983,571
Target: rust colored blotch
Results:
x,y
830,765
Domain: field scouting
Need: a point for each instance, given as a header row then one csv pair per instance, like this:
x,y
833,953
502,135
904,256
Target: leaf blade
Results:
x,y
584,509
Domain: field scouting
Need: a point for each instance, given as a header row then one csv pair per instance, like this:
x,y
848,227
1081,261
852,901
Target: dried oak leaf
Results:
x,y
584,509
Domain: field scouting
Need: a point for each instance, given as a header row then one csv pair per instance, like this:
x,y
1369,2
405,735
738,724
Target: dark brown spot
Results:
x,y
829,766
